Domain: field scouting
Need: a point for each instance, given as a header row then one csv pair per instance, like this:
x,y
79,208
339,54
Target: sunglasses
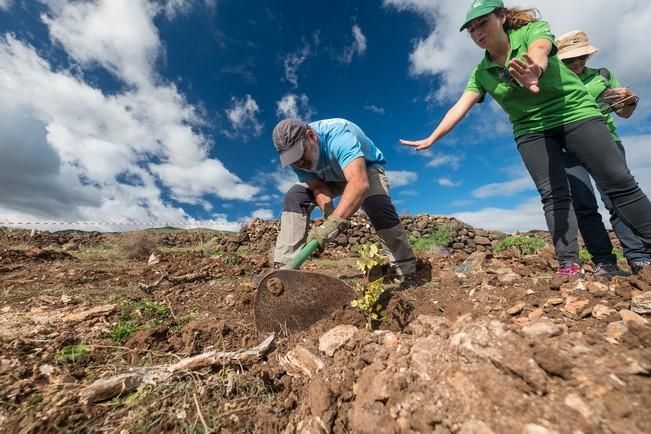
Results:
x,y
575,59
511,82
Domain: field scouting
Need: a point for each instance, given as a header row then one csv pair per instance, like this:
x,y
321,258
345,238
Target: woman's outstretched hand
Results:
x,y
527,72
419,145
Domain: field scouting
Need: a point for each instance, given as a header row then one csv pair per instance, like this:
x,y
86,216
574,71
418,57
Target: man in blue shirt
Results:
x,y
331,158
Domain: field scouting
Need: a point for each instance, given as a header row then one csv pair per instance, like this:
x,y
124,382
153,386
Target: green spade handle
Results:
x,y
302,255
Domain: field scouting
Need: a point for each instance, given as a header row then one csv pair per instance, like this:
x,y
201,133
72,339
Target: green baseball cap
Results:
x,y
479,8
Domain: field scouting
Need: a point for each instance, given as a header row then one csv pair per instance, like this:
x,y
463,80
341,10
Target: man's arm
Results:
x,y
356,189
322,195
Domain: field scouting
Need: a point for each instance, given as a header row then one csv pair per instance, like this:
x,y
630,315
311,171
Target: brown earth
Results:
x,y
494,344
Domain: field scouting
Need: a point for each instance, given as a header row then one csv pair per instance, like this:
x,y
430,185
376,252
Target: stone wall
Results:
x,y
261,234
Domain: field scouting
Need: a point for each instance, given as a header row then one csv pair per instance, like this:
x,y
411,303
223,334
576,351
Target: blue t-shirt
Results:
x,y
341,142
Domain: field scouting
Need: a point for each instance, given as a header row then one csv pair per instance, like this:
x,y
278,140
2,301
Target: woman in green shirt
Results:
x,y
550,110
574,49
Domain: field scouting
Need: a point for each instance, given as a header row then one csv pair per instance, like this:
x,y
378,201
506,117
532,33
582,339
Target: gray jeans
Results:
x,y
299,204
590,222
590,142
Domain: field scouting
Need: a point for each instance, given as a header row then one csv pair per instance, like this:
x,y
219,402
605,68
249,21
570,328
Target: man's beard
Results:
x,y
315,151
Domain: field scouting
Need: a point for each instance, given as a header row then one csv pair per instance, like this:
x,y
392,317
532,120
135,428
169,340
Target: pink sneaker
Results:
x,y
570,270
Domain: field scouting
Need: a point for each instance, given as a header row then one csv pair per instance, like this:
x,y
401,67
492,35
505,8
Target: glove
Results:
x,y
328,230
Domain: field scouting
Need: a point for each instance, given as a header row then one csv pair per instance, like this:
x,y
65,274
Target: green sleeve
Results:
x,y
474,85
540,30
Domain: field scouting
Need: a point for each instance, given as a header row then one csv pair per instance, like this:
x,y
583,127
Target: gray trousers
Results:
x,y
590,142
590,222
299,203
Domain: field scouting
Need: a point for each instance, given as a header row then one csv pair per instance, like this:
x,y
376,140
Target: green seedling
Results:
x,y
370,292
72,353
522,244
122,331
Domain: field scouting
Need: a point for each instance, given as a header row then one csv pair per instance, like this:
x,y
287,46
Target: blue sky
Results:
x,y
162,111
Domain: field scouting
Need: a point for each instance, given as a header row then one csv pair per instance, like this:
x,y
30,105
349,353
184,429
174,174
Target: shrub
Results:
x,y
138,246
441,237
370,292
522,244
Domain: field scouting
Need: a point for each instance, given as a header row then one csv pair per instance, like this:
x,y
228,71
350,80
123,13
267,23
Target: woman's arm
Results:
x,y
458,111
622,100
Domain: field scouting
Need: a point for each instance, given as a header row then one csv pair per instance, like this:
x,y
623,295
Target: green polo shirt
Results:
x,y
562,98
596,85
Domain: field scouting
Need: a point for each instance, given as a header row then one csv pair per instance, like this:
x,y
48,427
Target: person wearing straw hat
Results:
x,y
334,157
574,49
550,110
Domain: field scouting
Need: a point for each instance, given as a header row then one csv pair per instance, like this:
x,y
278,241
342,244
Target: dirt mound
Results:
x,y
480,343
478,375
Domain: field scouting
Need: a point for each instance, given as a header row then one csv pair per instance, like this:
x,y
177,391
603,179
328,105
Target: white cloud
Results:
x,y
243,118
374,109
5,4
358,46
508,188
461,202
263,213
638,156
439,160
451,54
284,179
413,193
119,35
91,156
528,215
293,62
400,178
295,106
447,182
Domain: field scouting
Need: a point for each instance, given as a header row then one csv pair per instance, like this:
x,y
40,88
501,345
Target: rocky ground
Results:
x,y
487,342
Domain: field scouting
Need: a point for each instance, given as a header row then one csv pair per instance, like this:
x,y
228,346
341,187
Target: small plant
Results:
x,y
72,353
524,245
3,228
441,237
619,253
370,292
122,331
152,308
585,256
231,259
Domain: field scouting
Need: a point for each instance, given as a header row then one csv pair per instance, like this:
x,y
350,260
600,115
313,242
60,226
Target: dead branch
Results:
x,y
186,278
107,388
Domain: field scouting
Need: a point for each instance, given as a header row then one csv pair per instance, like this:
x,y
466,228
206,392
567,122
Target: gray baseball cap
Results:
x,y
288,140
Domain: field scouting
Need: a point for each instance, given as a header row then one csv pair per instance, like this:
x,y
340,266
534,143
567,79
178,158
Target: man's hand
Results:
x,y
327,231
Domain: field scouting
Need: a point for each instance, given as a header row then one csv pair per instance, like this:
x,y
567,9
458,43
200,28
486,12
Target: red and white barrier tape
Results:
x,y
84,223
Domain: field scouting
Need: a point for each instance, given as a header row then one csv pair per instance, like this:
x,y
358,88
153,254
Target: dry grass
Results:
x,y
138,245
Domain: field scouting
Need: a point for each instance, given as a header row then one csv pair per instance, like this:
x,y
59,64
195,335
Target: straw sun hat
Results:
x,y
574,44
